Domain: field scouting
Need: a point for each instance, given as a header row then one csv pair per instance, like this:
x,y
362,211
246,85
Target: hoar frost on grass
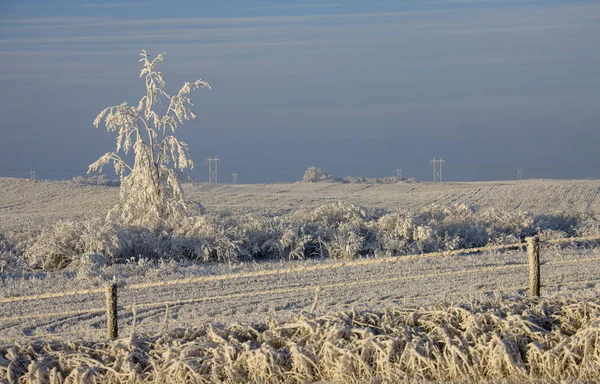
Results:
x,y
336,230
500,340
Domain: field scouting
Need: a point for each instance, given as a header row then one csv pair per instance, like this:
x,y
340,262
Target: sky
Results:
x,y
357,88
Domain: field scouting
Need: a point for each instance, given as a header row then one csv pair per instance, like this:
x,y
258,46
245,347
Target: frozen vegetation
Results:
x,y
497,340
56,237
336,230
317,175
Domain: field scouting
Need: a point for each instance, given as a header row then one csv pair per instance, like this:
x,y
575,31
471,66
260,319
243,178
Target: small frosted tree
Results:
x,y
150,193
316,175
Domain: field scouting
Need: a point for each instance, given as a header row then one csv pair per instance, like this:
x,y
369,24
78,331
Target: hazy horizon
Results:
x,y
355,88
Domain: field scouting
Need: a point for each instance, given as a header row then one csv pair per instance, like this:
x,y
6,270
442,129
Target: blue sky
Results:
x,y
353,87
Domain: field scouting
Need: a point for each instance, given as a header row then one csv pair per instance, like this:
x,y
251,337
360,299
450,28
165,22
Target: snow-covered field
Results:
x,y
36,203
26,204
411,282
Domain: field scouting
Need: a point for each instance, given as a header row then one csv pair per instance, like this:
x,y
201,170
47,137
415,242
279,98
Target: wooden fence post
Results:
x,y
111,311
533,253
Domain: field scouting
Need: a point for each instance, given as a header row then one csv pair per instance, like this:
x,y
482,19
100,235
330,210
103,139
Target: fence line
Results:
x,y
359,282
284,290
51,295
328,286
158,305
533,250
342,264
314,268
572,239
179,302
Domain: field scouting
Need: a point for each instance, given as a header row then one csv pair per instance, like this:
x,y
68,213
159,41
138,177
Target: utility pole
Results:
x,y
437,169
213,169
519,173
399,174
234,177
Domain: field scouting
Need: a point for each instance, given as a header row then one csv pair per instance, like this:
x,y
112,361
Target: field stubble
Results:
x,y
40,203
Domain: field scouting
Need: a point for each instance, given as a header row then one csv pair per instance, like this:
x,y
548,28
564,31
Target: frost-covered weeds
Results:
x,y
337,230
514,340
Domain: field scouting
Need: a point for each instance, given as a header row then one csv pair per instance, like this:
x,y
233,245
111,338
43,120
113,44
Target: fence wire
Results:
x,y
130,329
343,264
312,288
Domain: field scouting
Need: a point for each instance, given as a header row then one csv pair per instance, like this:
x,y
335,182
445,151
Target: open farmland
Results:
x,y
38,203
536,196
379,313
280,296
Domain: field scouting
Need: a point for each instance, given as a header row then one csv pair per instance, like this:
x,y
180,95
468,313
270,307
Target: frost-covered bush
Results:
x,y
316,175
299,242
342,230
461,226
347,242
568,224
335,230
57,246
353,180
402,233
372,180
588,225
91,266
204,238
100,179
150,195
5,254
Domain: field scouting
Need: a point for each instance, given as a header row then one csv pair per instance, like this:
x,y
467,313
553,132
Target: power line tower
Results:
x,y
32,174
213,170
519,173
399,174
437,169
234,177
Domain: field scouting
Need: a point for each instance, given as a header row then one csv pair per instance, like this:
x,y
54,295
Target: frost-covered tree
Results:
x,y
316,175
150,194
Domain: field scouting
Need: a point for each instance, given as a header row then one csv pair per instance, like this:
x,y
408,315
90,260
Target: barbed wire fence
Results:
x,y
532,244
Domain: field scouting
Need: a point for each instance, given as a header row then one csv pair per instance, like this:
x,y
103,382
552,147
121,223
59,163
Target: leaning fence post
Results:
x,y
533,253
111,311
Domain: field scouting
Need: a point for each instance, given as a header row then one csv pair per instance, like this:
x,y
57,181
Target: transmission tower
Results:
x,y
32,174
399,173
437,169
519,173
213,170
234,177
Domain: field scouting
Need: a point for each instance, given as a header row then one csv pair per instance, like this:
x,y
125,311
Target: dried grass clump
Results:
x,y
514,340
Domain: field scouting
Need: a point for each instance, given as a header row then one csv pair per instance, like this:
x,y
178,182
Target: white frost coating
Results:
x,y
150,195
